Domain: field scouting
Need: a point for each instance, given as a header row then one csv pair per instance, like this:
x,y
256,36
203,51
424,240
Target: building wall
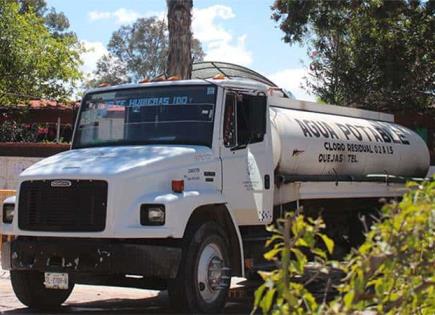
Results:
x,y
11,167
16,157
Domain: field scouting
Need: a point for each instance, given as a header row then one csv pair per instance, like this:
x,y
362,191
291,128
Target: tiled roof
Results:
x,y
44,104
38,104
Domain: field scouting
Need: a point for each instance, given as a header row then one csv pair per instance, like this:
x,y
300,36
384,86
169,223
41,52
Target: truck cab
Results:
x,y
152,193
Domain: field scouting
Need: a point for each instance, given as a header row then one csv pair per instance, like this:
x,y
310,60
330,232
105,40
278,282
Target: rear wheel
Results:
x,y
204,275
30,290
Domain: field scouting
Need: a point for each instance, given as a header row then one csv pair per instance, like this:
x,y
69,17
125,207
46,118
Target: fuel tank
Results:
x,y
309,143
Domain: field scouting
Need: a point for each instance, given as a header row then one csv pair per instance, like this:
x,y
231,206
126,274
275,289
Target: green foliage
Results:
x,y
373,54
391,273
109,70
36,60
16,128
292,238
11,131
56,22
136,52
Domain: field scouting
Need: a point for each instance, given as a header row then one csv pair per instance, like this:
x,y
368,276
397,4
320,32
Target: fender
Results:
x,y
179,209
222,215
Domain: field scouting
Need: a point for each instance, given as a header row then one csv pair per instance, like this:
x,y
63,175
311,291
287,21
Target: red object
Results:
x,y
178,186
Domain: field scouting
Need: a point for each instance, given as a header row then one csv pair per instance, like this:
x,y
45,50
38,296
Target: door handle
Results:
x,y
266,181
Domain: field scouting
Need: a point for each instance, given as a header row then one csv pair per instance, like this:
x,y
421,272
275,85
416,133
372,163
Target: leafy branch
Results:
x,y
391,272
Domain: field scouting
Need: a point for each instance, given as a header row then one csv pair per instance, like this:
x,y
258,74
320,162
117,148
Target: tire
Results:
x,y
30,290
197,288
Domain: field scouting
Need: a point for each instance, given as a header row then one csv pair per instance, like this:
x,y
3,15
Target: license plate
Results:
x,y
55,280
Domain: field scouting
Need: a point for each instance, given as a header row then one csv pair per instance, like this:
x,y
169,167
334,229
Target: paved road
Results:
x,y
108,300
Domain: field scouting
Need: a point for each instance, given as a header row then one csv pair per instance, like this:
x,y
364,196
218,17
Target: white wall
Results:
x,y
11,167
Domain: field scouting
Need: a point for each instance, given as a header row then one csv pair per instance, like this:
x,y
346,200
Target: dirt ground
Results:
x,y
109,300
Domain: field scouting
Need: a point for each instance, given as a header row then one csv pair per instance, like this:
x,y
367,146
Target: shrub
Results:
x,y
11,131
392,272
294,238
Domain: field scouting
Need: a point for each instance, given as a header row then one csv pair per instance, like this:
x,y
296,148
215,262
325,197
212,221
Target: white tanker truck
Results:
x,y
169,185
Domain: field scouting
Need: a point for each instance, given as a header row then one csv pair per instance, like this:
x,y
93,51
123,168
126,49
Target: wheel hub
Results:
x,y
215,272
210,272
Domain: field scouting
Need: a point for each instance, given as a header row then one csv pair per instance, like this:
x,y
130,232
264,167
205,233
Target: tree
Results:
x,y
109,70
39,7
56,22
34,63
136,52
372,54
139,47
180,38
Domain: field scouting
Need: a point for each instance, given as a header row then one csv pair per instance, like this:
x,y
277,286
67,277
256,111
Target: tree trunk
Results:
x,y
180,38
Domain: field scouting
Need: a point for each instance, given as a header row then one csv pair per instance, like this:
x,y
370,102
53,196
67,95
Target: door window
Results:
x,y
230,120
244,120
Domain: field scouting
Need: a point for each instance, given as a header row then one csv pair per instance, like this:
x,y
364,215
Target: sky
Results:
x,y
237,31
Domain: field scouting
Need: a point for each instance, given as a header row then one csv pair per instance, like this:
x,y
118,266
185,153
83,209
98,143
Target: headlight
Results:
x,y
8,212
152,215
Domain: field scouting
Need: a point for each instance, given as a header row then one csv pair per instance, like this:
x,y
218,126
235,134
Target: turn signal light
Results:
x,y
178,186
219,77
174,78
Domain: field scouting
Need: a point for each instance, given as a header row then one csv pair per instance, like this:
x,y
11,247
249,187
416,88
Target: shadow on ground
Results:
x,y
152,305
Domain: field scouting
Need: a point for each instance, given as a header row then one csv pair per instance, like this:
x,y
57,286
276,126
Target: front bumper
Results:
x,y
96,256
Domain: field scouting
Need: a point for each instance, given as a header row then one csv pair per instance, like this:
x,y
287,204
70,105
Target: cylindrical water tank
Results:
x,y
308,143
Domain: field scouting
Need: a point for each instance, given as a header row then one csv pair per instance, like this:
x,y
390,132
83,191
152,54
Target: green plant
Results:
x,y
12,131
294,238
392,272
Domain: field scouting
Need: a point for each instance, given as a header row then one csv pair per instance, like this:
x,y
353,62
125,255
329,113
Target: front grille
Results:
x,y
69,206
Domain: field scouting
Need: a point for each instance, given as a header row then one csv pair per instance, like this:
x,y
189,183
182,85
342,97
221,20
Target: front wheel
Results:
x,y
204,275
30,290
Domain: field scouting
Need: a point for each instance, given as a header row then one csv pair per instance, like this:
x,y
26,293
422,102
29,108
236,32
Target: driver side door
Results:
x,y
246,154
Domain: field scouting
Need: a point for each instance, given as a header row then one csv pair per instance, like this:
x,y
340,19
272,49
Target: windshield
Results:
x,y
151,115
